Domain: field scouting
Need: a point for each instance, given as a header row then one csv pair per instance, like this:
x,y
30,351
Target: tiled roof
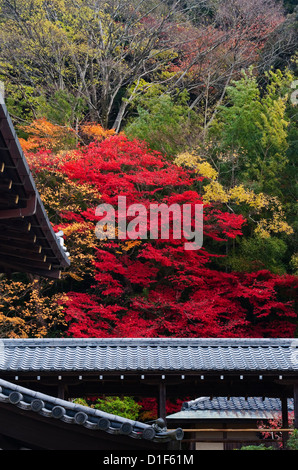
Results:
x,y
142,354
235,403
90,418
231,408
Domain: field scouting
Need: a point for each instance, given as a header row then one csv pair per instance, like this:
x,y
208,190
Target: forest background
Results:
x,y
160,101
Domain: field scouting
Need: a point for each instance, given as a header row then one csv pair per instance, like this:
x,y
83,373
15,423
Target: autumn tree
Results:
x,y
248,162
154,287
201,127
29,308
76,60
87,52
30,305
142,286
255,127
163,120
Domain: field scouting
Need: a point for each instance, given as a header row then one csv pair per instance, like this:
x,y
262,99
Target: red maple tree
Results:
x,y
154,287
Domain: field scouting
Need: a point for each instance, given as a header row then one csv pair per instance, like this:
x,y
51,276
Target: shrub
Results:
x,y
124,406
292,443
260,447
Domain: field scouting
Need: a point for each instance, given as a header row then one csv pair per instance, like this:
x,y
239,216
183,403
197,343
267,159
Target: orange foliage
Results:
x,y
44,134
96,132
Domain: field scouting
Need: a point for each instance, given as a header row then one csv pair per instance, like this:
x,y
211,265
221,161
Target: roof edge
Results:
x,y
91,418
140,341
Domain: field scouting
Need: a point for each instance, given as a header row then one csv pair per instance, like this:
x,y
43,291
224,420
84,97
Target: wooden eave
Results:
x,y
27,241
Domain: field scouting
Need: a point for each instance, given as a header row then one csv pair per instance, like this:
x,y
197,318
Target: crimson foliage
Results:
x,y
156,288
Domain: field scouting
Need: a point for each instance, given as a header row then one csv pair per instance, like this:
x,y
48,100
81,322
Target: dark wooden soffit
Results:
x,y
34,418
27,240
188,385
23,429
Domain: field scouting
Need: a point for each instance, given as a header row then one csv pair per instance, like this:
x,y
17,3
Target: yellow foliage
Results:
x,y
201,166
256,202
26,312
67,195
60,195
276,225
215,192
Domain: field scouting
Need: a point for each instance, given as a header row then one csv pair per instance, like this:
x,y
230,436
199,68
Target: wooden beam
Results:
x,y
162,397
9,198
61,391
13,253
5,184
21,247
53,274
23,265
28,210
16,225
285,420
12,235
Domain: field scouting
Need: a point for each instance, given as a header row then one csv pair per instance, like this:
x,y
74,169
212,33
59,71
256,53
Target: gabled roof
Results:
x,y
230,408
150,354
75,414
27,240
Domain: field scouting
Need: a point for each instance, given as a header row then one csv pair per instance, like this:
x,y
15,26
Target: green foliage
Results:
x,y
258,253
20,102
236,124
121,406
164,122
80,401
254,447
289,184
89,52
292,443
254,144
255,125
61,108
289,5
